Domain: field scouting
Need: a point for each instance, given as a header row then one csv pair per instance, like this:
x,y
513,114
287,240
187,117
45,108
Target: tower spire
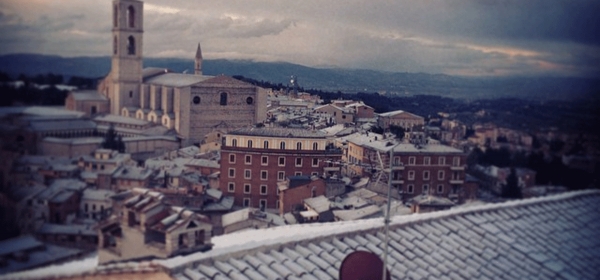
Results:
x,y
198,64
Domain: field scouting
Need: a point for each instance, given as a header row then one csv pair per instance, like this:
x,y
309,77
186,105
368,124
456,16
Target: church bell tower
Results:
x,y
126,68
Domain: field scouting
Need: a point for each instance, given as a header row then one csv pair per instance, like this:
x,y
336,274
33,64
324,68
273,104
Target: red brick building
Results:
x,y
295,189
253,160
424,169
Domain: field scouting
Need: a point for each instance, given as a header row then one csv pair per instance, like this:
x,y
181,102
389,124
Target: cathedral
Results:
x,y
191,104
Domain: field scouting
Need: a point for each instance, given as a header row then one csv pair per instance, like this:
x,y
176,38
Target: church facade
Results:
x,y
191,104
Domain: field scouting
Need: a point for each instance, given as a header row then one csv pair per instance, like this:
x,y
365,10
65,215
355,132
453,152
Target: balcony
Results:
x,y
397,166
457,168
455,181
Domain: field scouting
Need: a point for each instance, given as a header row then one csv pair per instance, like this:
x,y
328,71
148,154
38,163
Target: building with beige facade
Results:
x,y
399,118
190,104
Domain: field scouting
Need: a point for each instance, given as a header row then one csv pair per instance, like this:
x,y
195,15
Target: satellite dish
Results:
x,y
362,265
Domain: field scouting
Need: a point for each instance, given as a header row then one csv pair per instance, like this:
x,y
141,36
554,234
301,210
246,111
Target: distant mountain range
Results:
x,y
344,80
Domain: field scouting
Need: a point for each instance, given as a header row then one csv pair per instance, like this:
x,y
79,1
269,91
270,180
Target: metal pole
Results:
x,y
386,220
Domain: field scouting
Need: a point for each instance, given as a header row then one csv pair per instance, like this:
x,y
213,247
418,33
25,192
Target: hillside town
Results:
x,y
189,176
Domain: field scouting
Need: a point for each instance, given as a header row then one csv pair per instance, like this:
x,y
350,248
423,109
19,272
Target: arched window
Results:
x,y
315,146
131,16
131,45
115,45
249,143
282,145
266,144
116,16
234,142
223,100
299,146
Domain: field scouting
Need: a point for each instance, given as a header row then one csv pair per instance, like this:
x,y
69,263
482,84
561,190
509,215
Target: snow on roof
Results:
x,y
69,124
121,120
176,79
508,239
40,111
355,214
398,112
100,194
88,95
548,237
319,204
279,132
21,243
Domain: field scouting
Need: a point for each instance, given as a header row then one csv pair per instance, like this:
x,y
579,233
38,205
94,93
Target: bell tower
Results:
x,y
126,67
198,61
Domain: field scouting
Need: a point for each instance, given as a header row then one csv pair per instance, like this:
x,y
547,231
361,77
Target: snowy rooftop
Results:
x,y
176,79
279,132
553,237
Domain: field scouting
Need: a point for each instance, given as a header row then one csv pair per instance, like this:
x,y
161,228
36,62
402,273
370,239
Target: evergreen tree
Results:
x,y
111,140
511,189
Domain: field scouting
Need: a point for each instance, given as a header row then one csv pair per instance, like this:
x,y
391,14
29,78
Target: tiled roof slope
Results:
x,y
543,238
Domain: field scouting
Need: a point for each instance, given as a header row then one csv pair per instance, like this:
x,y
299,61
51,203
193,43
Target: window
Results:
x,y
442,160
263,189
315,146
426,175
281,175
131,16
249,143
456,161
115,45
426,160
410,188
247,174
263,175
249,100
411,175
263,204
397,161
264,160
298,161
246,188
266,144
231,187
411,160
298,173
223,100
196,100
94,110
425,189
231,173
440,188
315,162
248,159
246,202
131,45
116,16
299,146
441,175
282,145
314,174
231,158
281,161
234,142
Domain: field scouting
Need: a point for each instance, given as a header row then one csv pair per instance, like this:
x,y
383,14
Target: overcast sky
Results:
x,y
456,37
